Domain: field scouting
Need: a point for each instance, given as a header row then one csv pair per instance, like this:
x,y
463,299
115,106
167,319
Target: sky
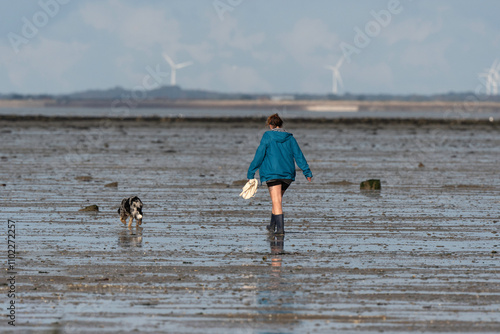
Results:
x,y
247,46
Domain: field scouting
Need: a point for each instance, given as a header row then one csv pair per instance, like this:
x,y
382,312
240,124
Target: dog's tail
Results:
x,y
118,210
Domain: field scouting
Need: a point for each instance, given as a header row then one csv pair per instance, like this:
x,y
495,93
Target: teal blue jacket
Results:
x,y
276,156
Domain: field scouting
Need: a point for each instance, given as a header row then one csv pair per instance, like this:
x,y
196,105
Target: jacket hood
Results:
x,y
280,135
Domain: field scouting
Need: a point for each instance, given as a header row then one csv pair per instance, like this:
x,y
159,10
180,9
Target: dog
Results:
x,y
131,207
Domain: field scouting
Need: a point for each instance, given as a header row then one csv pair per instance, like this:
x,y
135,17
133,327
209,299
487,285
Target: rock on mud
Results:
x,y
90,208
84,178
370,185
111,185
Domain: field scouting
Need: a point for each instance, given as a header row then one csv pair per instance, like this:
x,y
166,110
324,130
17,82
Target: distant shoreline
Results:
x,y
36,120
305,105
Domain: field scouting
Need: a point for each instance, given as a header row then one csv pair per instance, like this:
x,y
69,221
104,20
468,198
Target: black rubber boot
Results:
x,y
280,223
272,226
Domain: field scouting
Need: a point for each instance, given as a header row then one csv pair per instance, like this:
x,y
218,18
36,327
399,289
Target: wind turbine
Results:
x,y
492,77
174,67
336,77
487,83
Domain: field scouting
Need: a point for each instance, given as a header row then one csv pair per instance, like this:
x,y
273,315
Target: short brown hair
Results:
x,y
275,120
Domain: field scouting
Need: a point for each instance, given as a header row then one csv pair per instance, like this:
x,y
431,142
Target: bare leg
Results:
x,y
276,197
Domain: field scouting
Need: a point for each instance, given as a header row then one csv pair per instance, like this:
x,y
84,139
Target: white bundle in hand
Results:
x,y
250,189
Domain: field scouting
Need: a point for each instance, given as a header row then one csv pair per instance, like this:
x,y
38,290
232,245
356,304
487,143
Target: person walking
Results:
x,y
275,159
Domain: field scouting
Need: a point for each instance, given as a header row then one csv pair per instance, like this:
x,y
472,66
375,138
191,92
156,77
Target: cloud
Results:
x,y
227,33
202,53
379,75
138,28
312,45
142,33
496,40
428,56
269,56
308,40
477,26
104,43
411,30
44,60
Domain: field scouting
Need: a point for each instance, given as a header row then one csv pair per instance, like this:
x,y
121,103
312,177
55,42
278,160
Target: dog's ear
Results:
x,y
127,205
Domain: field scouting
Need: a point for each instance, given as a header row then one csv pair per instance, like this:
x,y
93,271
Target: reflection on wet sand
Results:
x,y
373,194
130,237
277,243
275,296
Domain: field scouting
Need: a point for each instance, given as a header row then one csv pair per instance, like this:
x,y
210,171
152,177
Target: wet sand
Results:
x,y
419,256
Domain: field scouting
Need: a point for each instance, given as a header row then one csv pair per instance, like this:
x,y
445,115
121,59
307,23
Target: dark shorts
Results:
x,y
285,183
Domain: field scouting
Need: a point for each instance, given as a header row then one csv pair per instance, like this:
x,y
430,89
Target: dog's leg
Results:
x,y
122,218
139,222
130,221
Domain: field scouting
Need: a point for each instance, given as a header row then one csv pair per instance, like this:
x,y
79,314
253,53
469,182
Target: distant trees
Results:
x,y
16,96
177,93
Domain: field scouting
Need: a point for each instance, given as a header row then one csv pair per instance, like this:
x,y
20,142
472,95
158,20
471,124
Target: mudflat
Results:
x,y
420,255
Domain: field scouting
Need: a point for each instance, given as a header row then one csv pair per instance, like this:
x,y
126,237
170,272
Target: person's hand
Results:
x,y
309,179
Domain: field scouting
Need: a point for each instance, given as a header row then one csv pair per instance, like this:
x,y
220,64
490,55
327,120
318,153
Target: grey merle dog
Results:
x,y
131,207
